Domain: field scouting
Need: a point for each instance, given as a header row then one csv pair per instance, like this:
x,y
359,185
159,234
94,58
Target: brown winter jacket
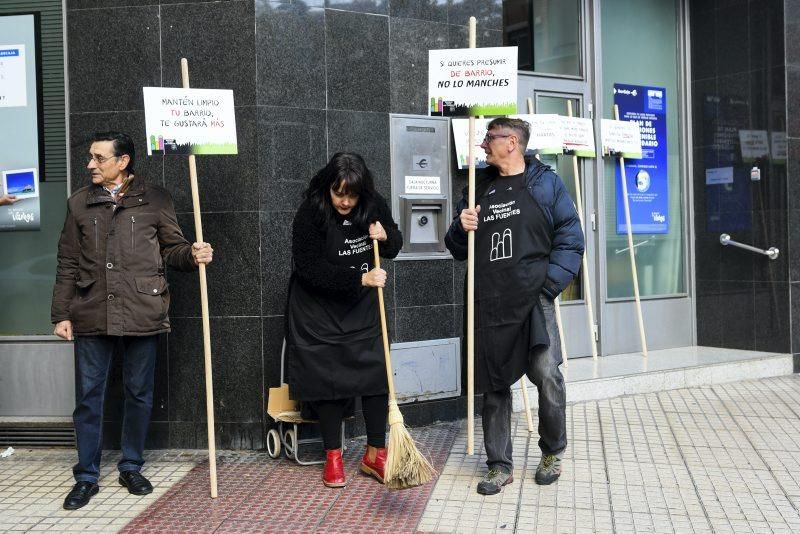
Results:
x,y
110,276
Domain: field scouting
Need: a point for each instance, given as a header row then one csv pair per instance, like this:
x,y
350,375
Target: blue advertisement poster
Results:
x,y
647,178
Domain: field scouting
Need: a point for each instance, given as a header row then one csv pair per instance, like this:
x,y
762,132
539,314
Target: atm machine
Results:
x,y
422,206
421,187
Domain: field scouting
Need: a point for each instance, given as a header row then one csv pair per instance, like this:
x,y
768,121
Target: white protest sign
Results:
x,y
461,141
465,82
578,136
547,133
189,121
754,144
13,80
621,138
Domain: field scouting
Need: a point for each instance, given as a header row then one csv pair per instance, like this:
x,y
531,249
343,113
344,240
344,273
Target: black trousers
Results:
x,y
331,413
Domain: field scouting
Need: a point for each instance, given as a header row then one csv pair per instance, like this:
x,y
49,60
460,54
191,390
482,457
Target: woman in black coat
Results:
x,y
335,351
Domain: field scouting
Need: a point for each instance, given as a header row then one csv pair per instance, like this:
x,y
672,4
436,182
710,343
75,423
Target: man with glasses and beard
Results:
x,y
111,296
528,247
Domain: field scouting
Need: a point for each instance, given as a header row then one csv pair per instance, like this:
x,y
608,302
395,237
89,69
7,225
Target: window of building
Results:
x,y
28,256
548,34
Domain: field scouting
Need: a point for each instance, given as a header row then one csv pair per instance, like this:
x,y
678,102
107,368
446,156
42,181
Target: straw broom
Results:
x,y
405,467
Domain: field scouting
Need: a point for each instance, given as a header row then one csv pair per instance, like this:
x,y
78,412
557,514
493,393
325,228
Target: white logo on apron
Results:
x,y
501,246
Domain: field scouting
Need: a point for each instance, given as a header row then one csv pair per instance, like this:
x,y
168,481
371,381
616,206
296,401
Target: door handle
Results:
x,y
772,252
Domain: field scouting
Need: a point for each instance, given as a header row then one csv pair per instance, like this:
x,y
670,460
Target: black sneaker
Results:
x,y
135,482
80,495
549,469
493,482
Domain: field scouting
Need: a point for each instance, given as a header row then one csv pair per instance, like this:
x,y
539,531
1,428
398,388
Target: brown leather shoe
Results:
x,y
374,462
333,474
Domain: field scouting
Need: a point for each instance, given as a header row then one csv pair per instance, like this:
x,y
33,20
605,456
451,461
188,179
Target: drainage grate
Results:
x,y
25,436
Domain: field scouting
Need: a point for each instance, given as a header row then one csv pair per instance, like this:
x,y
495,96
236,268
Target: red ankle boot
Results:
x,y
376,465
333,474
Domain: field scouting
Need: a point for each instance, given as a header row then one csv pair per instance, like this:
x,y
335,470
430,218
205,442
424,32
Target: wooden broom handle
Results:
x,y
384,332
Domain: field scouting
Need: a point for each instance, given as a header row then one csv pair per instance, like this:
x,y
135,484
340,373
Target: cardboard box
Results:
x,y
281,407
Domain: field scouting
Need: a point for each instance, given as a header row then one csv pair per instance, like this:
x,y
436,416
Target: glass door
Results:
x,y
640,49
639,43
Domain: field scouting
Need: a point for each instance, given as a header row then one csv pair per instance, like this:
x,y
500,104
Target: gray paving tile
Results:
x,y
721,458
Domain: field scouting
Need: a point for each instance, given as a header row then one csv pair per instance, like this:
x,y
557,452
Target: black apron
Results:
x,y
512,247
334,345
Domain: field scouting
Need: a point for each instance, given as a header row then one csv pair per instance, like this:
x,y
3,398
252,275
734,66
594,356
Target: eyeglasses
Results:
x,y
99,159
490,137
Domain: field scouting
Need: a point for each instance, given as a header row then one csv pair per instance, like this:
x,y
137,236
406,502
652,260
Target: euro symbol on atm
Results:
x,y
422,163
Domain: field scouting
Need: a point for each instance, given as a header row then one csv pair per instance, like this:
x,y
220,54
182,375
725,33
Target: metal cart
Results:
x,y
286,413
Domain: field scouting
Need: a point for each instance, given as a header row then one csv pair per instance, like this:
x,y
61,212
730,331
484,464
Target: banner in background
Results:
x,y
547,133
461,141
546,137
578,136
189,121
465,82
19,117
621,138
648,179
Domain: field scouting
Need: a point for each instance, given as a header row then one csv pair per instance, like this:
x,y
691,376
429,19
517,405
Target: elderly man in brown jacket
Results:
x,y
110,293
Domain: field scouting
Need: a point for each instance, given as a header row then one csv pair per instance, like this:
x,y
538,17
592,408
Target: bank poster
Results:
x,y
470,82
189,121
19,106
647,178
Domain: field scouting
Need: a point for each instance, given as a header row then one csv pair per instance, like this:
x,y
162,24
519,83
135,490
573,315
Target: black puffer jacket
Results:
x,y
549,192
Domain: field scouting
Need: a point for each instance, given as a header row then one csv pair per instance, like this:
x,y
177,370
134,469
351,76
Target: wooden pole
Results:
x,y
631,251
198,227
471,277
587,287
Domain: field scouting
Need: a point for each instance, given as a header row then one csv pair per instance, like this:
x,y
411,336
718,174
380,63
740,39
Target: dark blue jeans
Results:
x,y
547,377
93,357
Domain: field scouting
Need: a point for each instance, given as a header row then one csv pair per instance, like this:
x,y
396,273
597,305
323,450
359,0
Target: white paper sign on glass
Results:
x,y
423,185
719,175
621,138
13,80
780,146
578,136
547,133
466,82
189,121
754,144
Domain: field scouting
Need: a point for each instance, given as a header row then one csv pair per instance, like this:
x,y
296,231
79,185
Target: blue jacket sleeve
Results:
x,y
568,242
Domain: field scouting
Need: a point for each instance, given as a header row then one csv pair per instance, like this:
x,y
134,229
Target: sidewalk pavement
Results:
x,y
722,458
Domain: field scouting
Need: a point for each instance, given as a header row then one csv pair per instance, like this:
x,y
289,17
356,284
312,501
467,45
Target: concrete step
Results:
x,y
630,374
